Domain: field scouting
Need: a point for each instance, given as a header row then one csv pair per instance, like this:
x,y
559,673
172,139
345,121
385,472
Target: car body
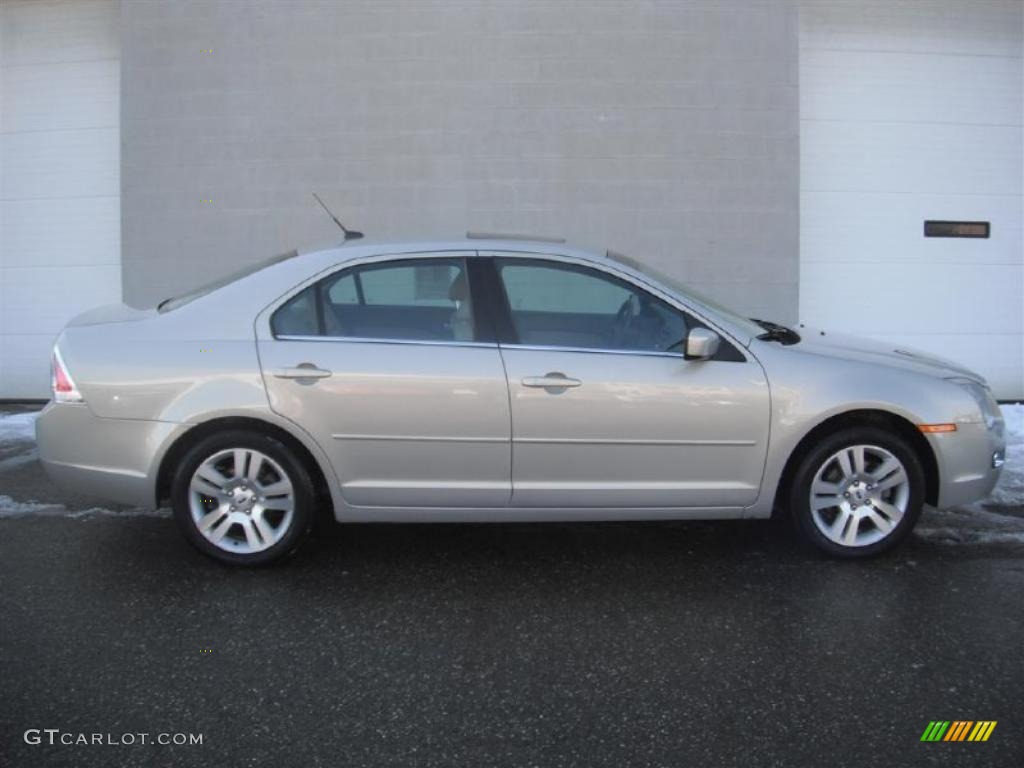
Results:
x,y
492,379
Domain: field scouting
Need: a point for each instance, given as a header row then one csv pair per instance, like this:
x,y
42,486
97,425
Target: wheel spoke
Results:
x,y
825,502
824,495
207,521
899,477
241,457
278,488
886,468
255,465
845,464
891,511
835,531
824,488
859,465
283,503
883,524
204,487
251,538
217,534
850,537
265,531
212,475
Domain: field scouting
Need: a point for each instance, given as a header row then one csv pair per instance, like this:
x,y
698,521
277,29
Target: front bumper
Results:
x,y
965,458
112,459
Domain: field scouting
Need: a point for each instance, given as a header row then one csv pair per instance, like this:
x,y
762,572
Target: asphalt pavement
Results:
x,y
672,644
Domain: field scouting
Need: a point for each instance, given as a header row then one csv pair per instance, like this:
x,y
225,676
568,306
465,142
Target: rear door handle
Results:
x,y
301,371
553,380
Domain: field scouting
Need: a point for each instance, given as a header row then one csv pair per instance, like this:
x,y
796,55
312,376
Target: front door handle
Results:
x,y
301,371
553,380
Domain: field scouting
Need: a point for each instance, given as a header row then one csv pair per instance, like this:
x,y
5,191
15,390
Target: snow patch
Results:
x,y
968,536
1010,490
11,508
18,459
18,426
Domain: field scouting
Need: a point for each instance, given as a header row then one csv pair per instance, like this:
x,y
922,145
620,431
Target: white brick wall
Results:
x,y
59,177
912,111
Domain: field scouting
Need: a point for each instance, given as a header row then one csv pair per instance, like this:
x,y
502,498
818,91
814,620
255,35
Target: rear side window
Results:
x,y
343,290
408,300
298,316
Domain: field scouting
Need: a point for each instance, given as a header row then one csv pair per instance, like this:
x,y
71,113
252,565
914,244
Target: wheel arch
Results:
x,y
859,418
318,473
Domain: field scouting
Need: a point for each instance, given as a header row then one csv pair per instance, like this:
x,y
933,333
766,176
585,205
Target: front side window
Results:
x,y
413,299
564,305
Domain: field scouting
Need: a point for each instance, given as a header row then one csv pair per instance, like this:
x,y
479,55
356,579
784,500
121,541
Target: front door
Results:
x,y
385,366
605,410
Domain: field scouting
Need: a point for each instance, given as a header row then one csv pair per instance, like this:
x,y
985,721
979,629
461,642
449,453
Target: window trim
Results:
x,y
365,340
318,307
483,321
593,350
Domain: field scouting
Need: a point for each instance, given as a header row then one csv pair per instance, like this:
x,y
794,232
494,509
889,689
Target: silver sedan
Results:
x,y
495,379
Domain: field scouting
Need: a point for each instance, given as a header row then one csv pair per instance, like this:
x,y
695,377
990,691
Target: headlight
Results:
x,y
982,395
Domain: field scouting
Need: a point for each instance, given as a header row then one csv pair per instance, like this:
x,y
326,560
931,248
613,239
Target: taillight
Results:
x,y
63,386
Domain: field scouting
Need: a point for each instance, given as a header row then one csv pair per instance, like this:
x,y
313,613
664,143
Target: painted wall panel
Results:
x,y
663,130
908,112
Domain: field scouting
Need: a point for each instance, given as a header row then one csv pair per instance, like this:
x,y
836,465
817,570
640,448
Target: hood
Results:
x,y
110,313
820,342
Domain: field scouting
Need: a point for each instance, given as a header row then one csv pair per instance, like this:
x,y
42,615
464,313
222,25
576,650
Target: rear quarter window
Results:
x,y
298,316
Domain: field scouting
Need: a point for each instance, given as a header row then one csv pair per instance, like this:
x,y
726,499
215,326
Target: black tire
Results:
x,y
813,461
302,489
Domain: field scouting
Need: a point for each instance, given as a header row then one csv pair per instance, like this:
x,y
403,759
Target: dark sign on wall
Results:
x,y
956,229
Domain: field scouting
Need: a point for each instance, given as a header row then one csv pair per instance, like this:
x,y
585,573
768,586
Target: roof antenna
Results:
x,y
350,234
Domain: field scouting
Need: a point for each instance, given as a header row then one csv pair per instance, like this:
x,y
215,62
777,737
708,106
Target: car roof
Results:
x,y
363,248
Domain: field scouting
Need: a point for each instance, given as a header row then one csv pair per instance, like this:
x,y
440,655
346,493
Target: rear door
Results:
x,y
397,376
606,412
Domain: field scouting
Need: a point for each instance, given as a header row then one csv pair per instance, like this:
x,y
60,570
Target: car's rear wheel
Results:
x,y
242,498
858,492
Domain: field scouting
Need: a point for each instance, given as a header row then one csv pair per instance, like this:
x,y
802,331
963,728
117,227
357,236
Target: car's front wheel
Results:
x,y
858,492
242,498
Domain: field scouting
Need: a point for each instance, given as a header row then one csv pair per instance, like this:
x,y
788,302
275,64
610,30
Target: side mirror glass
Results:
x,y
701,344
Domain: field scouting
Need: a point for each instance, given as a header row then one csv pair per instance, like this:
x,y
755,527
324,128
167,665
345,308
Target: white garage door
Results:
x,y
60,241
911,112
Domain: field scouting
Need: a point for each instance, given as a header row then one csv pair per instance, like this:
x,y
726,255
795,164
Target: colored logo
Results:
x,y
958,730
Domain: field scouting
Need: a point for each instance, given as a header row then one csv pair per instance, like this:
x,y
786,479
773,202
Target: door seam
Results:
x,y
511,431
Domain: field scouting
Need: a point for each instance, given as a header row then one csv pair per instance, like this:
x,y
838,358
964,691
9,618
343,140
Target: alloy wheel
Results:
x,y
241,500
859,495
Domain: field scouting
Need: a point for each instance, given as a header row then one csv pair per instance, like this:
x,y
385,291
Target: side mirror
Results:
x,y
701,344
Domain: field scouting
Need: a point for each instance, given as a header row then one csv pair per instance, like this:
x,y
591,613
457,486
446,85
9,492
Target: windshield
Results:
x,y
168,304
745,323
